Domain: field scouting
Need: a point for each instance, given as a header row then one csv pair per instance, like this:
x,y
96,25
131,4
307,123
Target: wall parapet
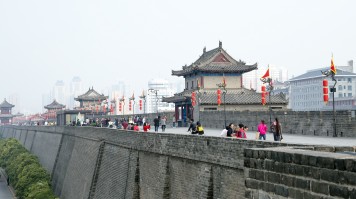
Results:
x,y
298,173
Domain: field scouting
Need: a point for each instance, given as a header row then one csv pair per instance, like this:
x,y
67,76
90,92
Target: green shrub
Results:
x,y
24,170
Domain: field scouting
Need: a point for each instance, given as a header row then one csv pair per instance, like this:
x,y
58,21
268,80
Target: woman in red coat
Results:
x,y
146,127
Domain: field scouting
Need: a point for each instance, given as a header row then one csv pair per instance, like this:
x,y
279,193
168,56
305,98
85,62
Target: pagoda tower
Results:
x,y
52,109
5,113
214,72
91,100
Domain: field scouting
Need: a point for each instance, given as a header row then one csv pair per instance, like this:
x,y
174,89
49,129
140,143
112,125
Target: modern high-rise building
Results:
x,y
59,92
306,90
158,88
76,89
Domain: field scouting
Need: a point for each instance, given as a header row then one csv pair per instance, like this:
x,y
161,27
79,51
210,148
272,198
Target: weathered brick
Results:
x,y
297,158
269,187
281,190
340,164
261,154
353,193
278,167
247,162
255,154
268,154
320,187
311,172
269,165
273,177
295,193
288,157
251,173
248,153
329,175
325,162
312,160
260,175
288,180
350,178
251,183
350,165
339,191
299,170
302,183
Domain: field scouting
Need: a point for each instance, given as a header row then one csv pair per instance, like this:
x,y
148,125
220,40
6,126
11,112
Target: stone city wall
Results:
x,y
297,173
86,162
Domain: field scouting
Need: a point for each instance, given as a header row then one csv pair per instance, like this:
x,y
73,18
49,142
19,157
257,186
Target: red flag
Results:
x,y
332,67
266,74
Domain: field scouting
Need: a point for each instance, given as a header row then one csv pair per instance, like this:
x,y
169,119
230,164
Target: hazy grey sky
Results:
x,y
107,41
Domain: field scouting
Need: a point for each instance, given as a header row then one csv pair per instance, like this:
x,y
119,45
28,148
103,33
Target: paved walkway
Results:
x,y
288,138
5,192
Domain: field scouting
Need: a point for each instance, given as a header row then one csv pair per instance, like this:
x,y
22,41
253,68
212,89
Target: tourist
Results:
x,y
200,128
242,132
163,123
230,130
146,127
192,127
277,130
262,128
156,123
125,124
136,128
224,132
174,121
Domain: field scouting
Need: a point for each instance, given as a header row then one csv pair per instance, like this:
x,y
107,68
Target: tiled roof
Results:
x,y
233,97
205,63
54,105
317,73
91,94
6,104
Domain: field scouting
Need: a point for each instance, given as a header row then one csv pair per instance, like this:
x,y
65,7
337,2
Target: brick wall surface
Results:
x,y
296,173
106,163
113,173
45,146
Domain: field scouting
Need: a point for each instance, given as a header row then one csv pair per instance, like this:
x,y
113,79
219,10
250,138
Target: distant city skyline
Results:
x,y
104,42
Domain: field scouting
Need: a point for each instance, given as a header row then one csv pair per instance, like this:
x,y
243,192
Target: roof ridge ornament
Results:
x,y
204,50
220,45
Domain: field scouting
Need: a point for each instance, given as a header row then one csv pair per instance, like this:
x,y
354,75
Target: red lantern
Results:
x,y
218,92
120,106
325,91
193,98
130,105
263,95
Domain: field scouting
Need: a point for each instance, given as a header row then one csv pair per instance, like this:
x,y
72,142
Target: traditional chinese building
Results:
x,y
5,112
213,70
91,100
52,109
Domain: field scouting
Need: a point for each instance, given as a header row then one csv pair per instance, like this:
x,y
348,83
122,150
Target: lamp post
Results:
x,y
143,96
133,105
328,73
155,92
268,80
223,87
122,100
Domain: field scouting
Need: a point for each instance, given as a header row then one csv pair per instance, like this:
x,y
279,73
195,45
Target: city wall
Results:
x,y
86,162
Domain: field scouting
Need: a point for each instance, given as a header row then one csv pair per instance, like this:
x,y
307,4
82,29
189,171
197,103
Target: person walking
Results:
x,y
156,123
163,123
277,130
262,129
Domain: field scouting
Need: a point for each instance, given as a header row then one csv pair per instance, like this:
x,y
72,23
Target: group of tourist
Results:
x,y
240,130
196,128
